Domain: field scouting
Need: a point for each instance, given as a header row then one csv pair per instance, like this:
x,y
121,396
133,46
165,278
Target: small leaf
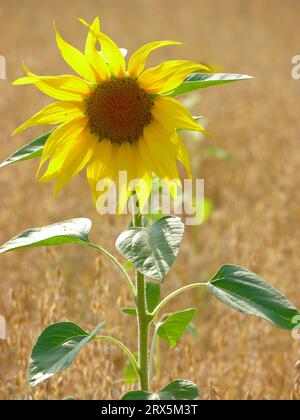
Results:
x,y
129,311
29,151
174,326
203,80
182,390
74,231
152,295
153,249
56,349
129,374
176,390
248,293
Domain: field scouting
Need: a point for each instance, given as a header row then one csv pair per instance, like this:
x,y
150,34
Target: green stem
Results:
x,y
152,351
119,266
142,318
122,347
172,295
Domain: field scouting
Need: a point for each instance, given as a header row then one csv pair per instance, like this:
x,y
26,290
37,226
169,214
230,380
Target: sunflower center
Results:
x,y
119,110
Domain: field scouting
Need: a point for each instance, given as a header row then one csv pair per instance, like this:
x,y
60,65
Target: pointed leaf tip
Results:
x,y
73,231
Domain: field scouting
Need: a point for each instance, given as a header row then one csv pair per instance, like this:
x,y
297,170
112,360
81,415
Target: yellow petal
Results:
x,y
77,158
61,137
57,160
138,177
64,88
158,152
75,58
173,115
113,55
144,186
126,166
55,113
182,153
168,75
97,62
99,168
138,60
111,52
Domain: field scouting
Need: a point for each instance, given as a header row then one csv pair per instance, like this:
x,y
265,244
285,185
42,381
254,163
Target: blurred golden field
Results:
x,y
254,223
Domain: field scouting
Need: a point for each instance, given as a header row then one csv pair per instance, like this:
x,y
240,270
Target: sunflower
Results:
x,y
111,119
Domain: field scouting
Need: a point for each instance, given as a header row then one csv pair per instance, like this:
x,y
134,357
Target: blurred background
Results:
x,y
251,171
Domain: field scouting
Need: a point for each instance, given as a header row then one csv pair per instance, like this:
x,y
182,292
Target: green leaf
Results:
x,y
129,311
74,231
248,293
182,390
136,396
176,390
56,349
203,80
173,327
153,249
29,151
129,374
152,295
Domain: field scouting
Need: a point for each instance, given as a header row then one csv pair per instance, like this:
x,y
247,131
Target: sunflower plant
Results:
x,y
110,118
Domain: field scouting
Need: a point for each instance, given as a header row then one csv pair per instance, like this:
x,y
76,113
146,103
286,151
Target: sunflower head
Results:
x,y
111,117
119,110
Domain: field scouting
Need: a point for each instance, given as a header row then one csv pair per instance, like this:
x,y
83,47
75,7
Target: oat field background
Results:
x,y
256,199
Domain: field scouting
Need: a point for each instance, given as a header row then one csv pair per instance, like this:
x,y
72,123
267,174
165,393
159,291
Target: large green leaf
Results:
x,y
74,231
29,151
153,249
203,80
176,390
248,293
56,349
173,327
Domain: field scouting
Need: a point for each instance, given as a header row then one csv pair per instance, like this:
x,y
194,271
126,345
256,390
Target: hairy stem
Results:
x,y
143,320
152,351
